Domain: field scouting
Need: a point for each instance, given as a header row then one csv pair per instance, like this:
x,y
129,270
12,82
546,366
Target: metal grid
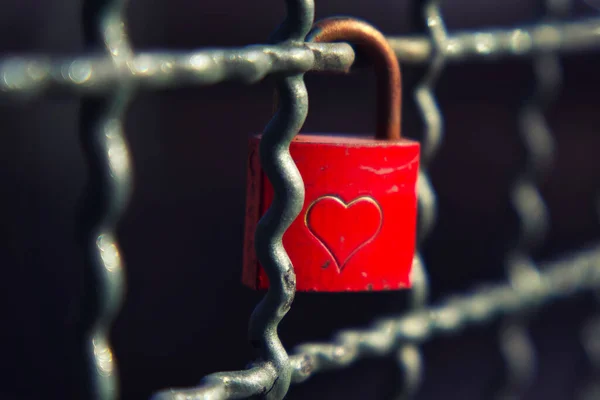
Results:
x,y
110,77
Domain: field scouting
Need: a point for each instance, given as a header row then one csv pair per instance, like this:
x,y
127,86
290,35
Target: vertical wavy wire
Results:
x,y
270,375
106,197
516,345
409,356
288,187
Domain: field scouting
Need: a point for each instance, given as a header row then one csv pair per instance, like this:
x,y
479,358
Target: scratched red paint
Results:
x,y
356,230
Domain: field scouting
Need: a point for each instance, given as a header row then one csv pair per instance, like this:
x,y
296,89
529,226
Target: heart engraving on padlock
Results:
x,y
333,223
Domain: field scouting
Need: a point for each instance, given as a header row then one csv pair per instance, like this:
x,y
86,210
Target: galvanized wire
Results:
x,y
288,187
270,375
561,278
516,344
108,193
409,356
29,76
108,79
492,44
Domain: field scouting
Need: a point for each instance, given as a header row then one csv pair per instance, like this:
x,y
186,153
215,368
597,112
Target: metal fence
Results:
x,y
109,79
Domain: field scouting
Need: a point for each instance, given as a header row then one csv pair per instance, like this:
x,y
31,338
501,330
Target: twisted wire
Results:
x,y
27,76
270,375
409,357
516,345
559,279
107,195
288,187
562,278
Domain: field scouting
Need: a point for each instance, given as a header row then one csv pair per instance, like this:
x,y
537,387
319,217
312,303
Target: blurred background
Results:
x,y
186,312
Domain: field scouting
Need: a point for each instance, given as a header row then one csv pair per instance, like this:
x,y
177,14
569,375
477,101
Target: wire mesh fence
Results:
x,y
109,78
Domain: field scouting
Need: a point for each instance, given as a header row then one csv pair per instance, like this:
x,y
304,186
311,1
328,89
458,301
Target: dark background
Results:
x,y
186,311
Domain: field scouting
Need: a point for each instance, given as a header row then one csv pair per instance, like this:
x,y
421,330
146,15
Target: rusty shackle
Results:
x,y
370,42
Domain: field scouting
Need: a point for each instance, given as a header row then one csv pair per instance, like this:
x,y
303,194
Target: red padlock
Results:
x,y
357,227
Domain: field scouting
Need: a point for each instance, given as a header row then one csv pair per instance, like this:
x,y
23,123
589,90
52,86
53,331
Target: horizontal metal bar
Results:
x,y
31,76
573,274
559,279
95,74
562,37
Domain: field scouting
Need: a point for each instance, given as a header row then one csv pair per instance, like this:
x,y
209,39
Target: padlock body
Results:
x,y
357,227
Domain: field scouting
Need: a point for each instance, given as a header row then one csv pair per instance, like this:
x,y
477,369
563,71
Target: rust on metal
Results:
x,y
374,46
